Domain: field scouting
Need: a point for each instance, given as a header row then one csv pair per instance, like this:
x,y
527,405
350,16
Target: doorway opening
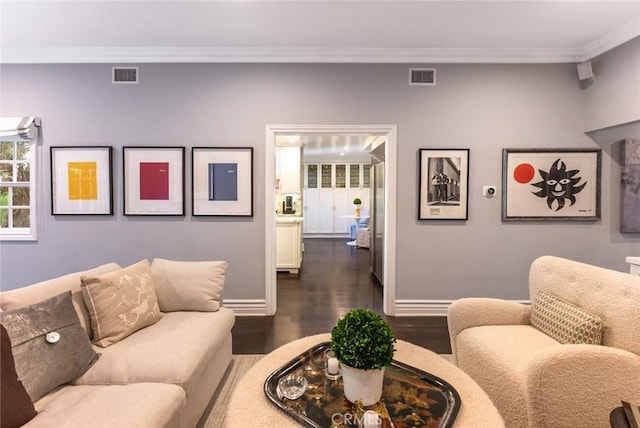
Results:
x,y
389,133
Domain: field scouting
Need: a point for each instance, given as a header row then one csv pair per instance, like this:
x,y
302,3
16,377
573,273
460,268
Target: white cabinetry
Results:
x,y
288,169
326,198
289,244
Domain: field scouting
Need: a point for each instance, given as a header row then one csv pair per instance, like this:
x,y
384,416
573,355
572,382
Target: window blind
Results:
x,y
25,128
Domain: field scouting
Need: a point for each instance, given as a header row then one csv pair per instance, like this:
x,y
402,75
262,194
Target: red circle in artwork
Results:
x,y
523,173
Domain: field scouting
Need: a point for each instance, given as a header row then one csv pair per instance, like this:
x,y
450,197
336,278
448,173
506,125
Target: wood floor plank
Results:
x,y
334,279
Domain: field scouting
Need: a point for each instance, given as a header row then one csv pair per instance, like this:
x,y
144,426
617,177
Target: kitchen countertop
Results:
x,y
288,218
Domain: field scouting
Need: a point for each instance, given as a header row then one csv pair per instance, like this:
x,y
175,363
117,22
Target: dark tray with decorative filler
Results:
x,y
410,397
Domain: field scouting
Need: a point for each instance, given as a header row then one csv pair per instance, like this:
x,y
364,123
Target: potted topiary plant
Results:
x,y
364,344
357,203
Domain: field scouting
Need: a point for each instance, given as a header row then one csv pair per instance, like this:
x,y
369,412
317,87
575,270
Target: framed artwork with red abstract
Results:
x,y
153,180
551,184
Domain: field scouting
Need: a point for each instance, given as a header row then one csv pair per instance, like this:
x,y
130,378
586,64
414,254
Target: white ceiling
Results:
x,y
331,147
416,31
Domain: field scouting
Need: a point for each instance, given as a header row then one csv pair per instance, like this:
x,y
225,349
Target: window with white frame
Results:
x,y
17,187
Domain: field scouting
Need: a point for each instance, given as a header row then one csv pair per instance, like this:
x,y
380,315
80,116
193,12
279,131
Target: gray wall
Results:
x,y
481,107
614,97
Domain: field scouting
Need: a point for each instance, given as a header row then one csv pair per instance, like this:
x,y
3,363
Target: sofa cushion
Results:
x,y
183,341
25,296
564,321
120,302
16,408
49,345
189,286
140,405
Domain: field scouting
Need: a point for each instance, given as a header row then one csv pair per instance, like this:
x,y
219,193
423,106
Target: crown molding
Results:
x,y
95,55
284,55
612,39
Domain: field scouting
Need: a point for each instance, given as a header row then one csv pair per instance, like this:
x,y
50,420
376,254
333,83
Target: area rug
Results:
x,y
214,415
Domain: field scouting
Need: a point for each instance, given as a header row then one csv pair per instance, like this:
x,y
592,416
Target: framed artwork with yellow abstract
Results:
x,y
81,180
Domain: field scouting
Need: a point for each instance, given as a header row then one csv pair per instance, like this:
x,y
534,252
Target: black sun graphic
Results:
x,y
559,184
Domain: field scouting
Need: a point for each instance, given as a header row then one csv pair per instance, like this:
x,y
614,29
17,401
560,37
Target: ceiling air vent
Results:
x,y
422,76
124,75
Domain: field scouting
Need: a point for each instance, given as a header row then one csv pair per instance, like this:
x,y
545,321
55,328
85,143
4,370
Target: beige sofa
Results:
x,y
162,375
536,380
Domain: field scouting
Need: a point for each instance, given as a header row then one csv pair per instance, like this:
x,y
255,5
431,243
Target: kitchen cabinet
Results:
x,y
288,169
289,243
329,191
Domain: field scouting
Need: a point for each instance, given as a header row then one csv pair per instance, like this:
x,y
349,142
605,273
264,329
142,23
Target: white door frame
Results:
x,y
390,226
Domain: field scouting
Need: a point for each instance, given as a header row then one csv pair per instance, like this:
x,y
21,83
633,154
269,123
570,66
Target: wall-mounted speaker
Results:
x,y
584,71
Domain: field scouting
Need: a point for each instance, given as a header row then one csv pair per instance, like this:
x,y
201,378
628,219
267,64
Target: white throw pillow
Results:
x,y
189,286
120,302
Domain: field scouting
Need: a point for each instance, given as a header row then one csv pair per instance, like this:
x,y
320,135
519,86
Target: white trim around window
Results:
x,y
14,161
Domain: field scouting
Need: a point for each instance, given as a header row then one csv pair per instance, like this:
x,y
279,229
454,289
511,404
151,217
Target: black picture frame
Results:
x,y
153,181
222,181
443,184
81,180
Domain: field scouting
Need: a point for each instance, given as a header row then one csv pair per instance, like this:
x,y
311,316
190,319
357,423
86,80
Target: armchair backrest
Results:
x,y
613,296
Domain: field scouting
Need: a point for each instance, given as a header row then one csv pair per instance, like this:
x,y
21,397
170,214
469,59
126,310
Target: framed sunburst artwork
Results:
x,y
551,184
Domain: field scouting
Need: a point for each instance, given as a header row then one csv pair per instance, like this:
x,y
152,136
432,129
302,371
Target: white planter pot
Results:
x,y
363,385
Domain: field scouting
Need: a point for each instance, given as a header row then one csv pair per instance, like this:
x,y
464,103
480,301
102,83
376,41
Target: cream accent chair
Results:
x,y
537,382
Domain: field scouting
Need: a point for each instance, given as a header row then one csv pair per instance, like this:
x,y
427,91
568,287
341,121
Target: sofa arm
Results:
x,y
579,385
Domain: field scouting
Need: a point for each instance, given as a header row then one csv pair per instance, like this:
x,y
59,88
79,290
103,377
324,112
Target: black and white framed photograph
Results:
x,y
551,184
153,180
444,184
222,181
81,180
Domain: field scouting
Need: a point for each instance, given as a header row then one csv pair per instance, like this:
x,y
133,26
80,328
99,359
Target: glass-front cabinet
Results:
x,y
354,175
340,176
327,175
336,176
366,176
311,176
329,191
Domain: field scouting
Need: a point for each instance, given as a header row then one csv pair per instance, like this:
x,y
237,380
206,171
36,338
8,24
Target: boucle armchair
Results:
x,y
540,376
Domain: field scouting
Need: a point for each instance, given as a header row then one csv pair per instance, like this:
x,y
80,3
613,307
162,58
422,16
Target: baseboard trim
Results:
x,y
425,308
429,308
404,308
247,307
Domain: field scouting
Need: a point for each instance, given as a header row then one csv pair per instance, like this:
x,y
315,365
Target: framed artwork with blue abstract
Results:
x,y
222,181
551,184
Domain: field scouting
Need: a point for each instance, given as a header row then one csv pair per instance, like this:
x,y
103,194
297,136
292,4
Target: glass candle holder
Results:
x,y
331,365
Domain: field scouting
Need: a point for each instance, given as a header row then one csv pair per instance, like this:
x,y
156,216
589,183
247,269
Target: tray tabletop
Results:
x,y
412,397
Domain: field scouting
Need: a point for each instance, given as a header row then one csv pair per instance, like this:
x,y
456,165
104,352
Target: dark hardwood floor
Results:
x,y
334,279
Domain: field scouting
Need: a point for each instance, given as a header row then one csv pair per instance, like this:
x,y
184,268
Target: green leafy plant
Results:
x,y
363,340
357,201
